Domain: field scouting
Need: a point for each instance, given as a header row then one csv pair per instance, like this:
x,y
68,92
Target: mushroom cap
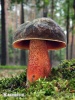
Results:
x,y
41,29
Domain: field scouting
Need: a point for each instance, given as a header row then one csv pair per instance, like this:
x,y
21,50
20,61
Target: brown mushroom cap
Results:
x,y
41,29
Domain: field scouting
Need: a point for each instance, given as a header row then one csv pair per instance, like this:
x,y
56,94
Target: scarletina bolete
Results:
x,y
39,36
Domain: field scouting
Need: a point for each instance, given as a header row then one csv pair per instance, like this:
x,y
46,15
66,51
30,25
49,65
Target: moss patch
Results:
x,y
59,86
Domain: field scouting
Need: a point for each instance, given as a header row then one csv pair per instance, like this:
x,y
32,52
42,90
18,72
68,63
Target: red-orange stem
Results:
x,y
39,63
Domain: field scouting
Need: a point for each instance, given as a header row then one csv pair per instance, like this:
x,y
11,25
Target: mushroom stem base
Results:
x,y
39,63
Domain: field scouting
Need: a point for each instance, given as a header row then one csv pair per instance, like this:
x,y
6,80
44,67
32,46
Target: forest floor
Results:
x,y
59,86
8,73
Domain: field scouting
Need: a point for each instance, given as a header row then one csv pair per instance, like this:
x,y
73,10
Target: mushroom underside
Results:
x,y
51,44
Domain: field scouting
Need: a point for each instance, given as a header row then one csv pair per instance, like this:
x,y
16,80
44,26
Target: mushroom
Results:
x,y
38,37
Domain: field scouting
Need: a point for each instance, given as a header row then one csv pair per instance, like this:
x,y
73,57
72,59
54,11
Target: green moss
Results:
x,y
59,86
12,67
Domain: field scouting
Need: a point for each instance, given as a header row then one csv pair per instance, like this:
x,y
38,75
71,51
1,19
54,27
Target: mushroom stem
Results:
x,y
39,63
